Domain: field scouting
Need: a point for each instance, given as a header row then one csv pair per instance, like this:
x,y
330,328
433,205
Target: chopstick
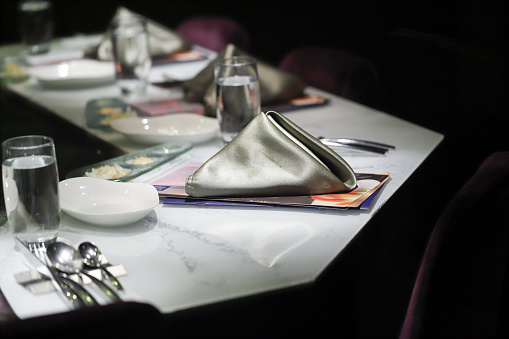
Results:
x,y
168,82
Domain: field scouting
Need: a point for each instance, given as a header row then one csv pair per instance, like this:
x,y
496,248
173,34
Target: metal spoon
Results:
x,y
93,257
68,260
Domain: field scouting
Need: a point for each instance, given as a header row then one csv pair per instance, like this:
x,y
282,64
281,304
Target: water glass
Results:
x,y
30,185
35,24
131,55
237,94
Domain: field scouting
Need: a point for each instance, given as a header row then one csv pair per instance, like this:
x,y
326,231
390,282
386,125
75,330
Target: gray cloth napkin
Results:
x,y
272,156
162,40
275,85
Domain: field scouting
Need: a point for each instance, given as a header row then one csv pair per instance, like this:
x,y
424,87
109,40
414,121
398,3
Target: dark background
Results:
x,y
442,65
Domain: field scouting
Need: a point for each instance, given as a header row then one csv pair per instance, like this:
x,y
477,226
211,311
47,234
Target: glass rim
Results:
x,y
128,20
236,61
48,141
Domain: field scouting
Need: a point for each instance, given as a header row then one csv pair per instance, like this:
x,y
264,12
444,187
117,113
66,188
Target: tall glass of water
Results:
x,y
30,185
35,21
131,55
237,94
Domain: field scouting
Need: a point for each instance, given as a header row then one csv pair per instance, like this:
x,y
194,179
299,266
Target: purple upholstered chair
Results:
x,y
335,71
462,285
214,32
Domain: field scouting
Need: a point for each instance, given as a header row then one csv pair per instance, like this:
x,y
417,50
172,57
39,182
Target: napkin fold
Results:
x,y
275,85
272,156
162,40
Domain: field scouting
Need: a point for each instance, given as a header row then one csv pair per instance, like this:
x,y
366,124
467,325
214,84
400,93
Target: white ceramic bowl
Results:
x,y
178,127
80,72
106,203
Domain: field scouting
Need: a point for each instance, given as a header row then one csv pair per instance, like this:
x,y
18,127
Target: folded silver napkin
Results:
x,y
275,85
162,40
272,156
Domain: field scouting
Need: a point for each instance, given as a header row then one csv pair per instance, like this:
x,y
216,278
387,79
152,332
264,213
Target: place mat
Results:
x,y
99,113
187,201
306,101
167,106
171,185
178,57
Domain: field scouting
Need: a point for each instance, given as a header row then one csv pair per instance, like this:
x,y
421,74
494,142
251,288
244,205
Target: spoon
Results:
x,y
93,257
68,260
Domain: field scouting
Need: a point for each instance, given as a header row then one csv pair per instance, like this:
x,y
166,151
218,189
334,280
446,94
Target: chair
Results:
x,y
6,312
119,320
335,71
214,32
462,283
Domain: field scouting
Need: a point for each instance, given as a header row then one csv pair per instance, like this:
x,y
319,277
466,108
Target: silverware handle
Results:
x,y
108,291
357,142
114,281
75,301
356,147
83,294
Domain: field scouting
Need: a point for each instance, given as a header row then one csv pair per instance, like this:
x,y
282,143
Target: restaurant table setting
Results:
x,y
272,157
186,218
83,53
276,86
162,41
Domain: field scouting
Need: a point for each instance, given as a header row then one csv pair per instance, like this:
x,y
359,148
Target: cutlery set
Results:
x,y
71,272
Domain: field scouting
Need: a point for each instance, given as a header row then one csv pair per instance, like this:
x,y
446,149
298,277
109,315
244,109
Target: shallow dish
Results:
x,y
106,203
81,72
182,127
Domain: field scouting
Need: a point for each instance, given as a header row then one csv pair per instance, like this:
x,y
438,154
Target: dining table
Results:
x,y
181,257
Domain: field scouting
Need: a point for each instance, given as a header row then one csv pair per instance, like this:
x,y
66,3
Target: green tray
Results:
x,y
161,154
116,107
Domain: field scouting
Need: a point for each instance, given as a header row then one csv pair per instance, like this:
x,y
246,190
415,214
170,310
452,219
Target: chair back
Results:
x,y
335,71
214,32
462,284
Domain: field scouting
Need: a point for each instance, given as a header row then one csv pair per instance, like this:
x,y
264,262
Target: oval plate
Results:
x,y
107,203
181,127
75,73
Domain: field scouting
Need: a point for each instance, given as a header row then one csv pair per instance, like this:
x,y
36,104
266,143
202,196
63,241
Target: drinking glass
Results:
x,y
30,185
131,55
237,94
35,24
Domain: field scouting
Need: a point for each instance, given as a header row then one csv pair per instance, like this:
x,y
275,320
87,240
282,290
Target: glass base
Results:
x,y
38,49
29,240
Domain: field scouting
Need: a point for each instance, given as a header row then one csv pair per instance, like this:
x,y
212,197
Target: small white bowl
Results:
x,y
106,203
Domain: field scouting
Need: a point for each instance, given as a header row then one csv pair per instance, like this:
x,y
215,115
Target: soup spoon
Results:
x,y
93,257
68,260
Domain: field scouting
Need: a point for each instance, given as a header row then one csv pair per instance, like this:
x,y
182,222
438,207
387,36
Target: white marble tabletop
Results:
x,y
179,257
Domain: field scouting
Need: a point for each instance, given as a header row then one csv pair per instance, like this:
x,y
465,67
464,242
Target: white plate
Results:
x,y
182,127
81,72
106,203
